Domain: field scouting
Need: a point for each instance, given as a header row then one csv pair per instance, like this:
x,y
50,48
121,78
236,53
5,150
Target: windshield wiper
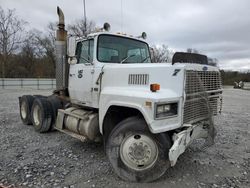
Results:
x,y
123,60
145,59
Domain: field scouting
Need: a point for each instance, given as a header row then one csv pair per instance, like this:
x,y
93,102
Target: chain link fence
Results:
x,y
28,83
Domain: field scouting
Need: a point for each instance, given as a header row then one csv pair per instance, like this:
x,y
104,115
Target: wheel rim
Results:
x,y
139,152
23,109
36,115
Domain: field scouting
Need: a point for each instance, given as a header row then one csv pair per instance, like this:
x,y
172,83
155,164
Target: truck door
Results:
x,y
81,74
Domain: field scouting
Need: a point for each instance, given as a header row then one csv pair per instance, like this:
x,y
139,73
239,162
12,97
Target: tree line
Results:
x,y
31,53
229,77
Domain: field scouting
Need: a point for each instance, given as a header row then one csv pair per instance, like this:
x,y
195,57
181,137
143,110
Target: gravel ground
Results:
x,y
30,159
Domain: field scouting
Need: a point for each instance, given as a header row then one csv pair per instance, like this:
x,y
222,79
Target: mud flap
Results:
x,y
185,137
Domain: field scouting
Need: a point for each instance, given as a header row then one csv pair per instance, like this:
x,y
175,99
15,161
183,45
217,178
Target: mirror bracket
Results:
x,y
72,60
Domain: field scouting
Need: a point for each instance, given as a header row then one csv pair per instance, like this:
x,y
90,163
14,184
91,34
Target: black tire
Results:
x,y
136,128
25,105
41,114
40,96
55,104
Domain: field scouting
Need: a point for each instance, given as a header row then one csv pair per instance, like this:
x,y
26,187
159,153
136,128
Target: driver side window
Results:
x,y
84,51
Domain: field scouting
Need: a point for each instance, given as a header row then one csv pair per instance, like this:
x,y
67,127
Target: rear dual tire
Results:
x,y
41,115
55,105
26,102
41,111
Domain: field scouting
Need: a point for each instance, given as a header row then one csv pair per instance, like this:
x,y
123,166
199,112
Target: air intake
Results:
x,y
138,79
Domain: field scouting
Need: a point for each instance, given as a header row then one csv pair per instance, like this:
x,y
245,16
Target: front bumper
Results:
x,y
184,138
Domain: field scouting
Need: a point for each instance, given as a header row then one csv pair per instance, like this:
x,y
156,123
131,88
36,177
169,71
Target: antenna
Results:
x,y
85,19
121,16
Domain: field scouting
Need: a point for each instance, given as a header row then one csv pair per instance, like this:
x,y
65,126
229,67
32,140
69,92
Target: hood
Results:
x,y
139,76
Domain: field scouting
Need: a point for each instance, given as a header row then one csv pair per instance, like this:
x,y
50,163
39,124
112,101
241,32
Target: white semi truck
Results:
x,y
145,113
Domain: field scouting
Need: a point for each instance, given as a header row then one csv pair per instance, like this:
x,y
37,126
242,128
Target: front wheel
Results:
x,y
135,153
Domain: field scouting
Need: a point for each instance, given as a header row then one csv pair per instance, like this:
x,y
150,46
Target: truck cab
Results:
x,y
146,114
92,54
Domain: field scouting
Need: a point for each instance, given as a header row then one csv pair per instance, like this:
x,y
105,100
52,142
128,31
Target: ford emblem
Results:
x,y
204,68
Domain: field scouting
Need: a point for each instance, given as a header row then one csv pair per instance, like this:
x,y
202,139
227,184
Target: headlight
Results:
x,y
166,110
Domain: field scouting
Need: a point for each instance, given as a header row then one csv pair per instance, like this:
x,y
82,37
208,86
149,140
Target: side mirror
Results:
x,y
71,46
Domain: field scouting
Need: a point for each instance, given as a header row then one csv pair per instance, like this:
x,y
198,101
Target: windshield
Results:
x,y
115,49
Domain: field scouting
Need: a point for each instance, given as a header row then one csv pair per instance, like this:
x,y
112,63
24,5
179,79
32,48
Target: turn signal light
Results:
x,y
154,87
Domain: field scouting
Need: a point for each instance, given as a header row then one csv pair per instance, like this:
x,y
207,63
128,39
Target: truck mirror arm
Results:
x,y
71,60
89,63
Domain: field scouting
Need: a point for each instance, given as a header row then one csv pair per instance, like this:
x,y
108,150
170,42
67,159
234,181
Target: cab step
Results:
x,y
77,136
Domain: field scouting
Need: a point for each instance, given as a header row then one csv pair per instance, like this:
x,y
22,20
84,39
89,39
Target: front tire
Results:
x,y
135,153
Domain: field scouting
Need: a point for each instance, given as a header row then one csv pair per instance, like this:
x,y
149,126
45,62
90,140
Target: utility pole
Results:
x,y
121,16
85,19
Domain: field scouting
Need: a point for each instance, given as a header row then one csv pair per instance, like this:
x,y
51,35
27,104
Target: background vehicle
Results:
x,y
145,113
239,85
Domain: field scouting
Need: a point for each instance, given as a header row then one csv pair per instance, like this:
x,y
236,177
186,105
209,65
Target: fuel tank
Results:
x,y
83,122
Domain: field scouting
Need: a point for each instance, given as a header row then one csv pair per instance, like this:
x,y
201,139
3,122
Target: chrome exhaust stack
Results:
x,y
62,68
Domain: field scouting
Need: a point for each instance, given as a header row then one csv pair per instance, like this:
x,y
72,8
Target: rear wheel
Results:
x,y
135,153
55,105
26,102
41,114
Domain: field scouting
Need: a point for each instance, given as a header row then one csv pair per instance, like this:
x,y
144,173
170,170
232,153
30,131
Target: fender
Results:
x,y
118,103
124,96
113,97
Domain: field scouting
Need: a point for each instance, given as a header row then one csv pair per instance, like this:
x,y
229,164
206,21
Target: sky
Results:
x,y
217,28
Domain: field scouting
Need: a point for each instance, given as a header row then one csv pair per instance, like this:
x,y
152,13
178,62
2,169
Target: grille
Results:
x,y
138,79
200,81
203,95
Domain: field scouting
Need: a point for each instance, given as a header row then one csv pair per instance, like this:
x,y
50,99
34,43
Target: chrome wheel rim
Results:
x,y
23,109
139,152
36,115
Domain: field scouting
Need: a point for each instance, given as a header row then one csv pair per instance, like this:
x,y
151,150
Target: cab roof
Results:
x,y
114,34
